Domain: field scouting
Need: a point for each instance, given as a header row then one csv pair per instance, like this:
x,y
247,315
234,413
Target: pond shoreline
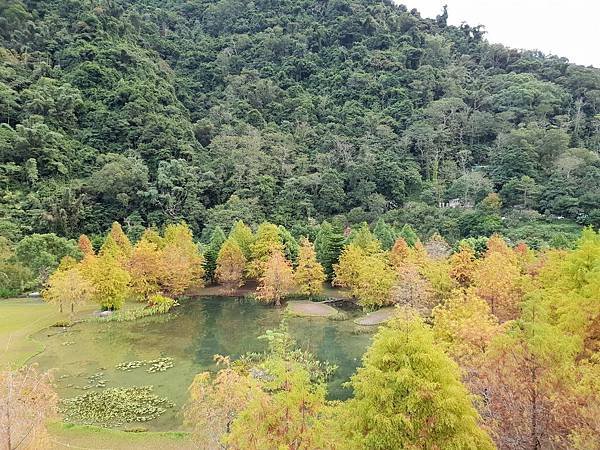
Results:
x,y
76,353
191,335
331,294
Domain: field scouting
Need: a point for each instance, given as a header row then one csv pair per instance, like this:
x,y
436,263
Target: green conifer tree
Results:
x,y
329,244
408,394
385,234
217,238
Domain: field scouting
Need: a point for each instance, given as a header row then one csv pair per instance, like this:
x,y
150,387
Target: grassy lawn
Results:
x,y
19,319
89,437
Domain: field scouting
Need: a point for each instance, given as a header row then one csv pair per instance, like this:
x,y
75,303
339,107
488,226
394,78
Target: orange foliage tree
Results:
x,y
277,279
27,403
116,244
85,245
230,265
462,265
146,267
399,253
498,280
523,376
182,261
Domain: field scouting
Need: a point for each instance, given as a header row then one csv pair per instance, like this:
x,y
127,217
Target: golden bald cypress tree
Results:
x,y
309,274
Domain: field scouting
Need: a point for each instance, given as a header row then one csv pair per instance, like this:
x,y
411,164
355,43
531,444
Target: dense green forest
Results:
x,y
294,111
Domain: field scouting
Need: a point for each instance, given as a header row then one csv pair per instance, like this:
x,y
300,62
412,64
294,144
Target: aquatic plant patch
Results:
x,y
155,365
96,380
160,365
130,365
135,314
114,407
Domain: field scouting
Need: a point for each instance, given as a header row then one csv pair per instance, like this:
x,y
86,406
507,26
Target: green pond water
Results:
x,y
197,330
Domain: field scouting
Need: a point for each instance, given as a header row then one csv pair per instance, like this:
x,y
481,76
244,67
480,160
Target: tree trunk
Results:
x,y
535,443
8,427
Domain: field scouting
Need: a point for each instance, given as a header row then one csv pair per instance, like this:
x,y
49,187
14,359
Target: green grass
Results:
x,y
19,319
64,435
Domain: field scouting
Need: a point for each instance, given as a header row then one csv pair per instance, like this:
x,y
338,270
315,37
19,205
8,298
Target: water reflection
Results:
x,y
199,329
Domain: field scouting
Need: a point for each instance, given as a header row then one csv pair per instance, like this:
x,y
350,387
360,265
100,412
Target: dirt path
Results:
x,y
311,309
377,317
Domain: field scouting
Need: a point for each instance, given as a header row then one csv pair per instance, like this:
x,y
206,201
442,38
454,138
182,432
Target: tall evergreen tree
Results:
x,y
409,235
309,274
329,244
242,234
217,238
290,245
408,394
384,234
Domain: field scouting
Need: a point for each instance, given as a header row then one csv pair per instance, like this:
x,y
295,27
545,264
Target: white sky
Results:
x,y
569,28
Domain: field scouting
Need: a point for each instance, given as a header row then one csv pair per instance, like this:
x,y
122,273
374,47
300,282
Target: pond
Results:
x,y
86,355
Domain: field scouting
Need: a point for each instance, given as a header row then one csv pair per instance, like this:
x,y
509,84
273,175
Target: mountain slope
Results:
x,y
149,111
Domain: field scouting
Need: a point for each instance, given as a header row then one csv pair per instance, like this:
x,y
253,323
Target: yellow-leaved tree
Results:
x,y
277,280
215,403
309,273
408,394
266,242
291,408
146,267
374,281
367,273
230,265
497,279
570,291
182,261
463,264
67,289
465,326
348,266
109,279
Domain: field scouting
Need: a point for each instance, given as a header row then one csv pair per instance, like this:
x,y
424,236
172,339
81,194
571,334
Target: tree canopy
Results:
x,y
215,111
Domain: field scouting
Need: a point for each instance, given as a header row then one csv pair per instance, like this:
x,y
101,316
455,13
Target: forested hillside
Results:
x,y
293,111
